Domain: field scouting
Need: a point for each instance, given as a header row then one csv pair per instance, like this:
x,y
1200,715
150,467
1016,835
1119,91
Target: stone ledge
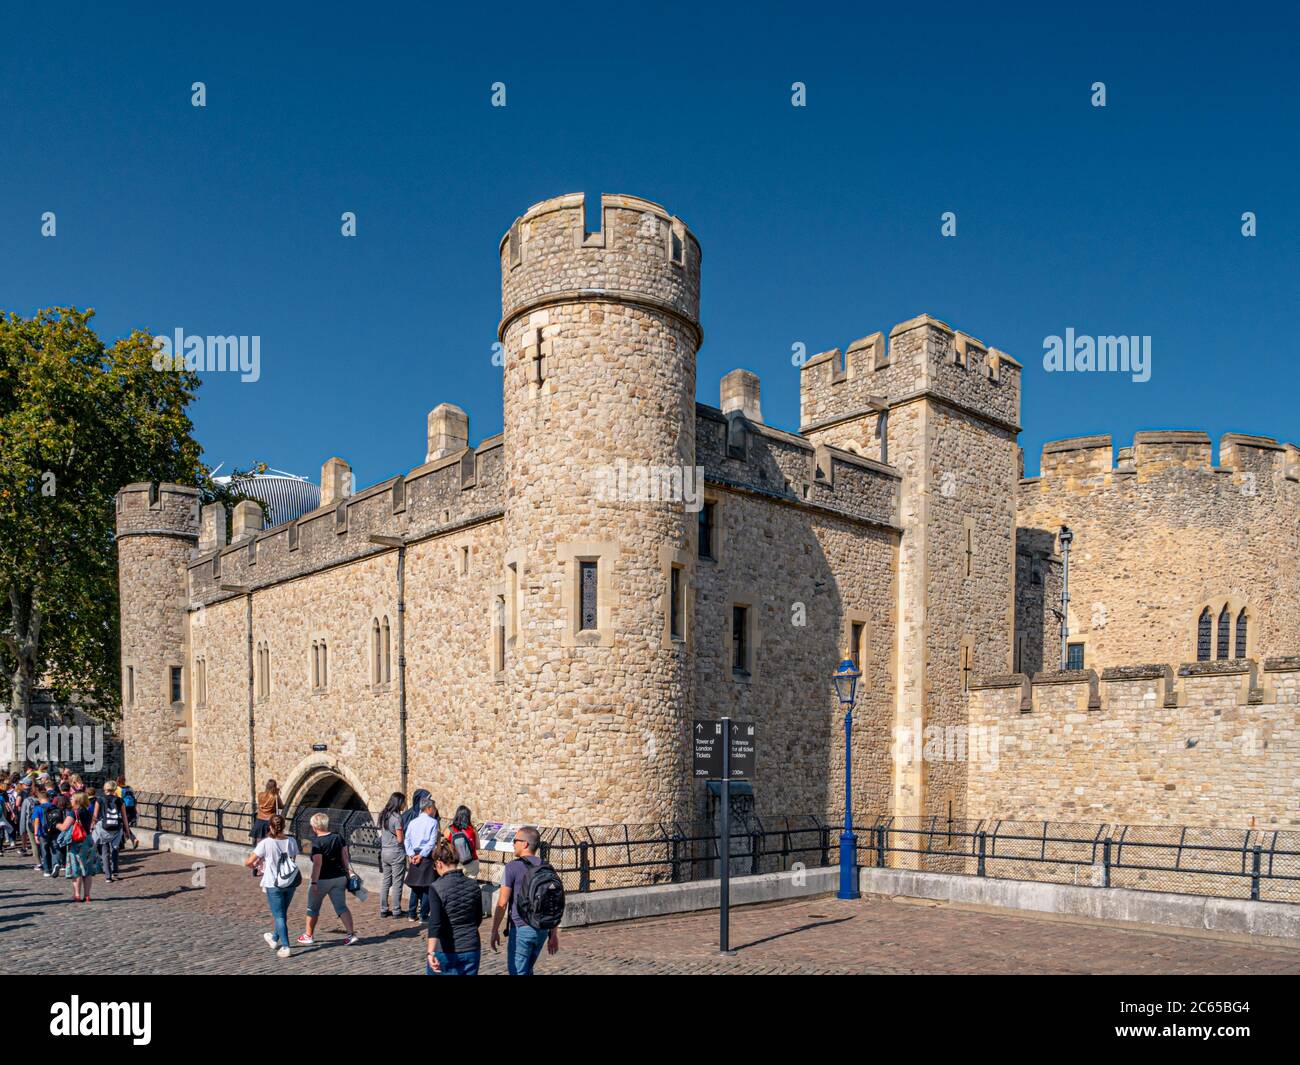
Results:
x,y
1282,664
1077,443
1224,668
1153,671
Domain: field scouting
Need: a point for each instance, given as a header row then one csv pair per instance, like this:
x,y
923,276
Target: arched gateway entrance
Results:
x,y
323,788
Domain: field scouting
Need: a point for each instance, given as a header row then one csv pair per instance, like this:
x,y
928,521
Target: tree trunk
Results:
x,y
24,642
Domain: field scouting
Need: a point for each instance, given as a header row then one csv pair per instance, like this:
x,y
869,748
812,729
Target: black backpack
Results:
x,y
541,897
112,814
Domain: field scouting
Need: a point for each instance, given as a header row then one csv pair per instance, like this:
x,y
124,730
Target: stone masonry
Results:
x,y
531,625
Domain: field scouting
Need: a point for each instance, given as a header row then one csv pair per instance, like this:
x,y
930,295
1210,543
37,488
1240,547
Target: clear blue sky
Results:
x,y
819,224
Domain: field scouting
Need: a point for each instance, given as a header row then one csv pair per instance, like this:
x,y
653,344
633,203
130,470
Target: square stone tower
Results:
x,y
945,410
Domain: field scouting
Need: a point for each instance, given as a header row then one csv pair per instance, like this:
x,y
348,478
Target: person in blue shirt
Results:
x,y
421,838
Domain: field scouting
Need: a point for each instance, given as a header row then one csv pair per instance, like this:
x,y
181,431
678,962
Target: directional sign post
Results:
x,y
724,751
724,931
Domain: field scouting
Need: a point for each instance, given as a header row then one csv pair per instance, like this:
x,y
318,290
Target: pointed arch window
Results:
x,y
1241,633
376,671
1225,629
1203,629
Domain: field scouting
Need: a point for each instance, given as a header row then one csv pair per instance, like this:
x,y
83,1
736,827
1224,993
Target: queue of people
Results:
x,y
436,863
67,825
75,829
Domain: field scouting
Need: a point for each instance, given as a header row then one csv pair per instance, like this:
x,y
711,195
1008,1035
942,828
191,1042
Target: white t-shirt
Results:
x,y
269,850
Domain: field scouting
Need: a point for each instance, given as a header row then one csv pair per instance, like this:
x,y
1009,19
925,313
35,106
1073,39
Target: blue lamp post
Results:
x,y
845,679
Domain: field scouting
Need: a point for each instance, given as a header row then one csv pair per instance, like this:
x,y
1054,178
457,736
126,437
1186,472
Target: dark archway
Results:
x,y
328,791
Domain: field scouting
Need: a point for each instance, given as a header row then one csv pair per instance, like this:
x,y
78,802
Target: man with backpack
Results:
x,y
532,894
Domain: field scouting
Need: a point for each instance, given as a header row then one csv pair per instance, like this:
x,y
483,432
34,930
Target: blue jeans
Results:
x,y
279,900
523,948
463,964
420,902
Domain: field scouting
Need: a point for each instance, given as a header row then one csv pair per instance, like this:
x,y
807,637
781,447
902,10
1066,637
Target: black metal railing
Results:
x,y
1232,863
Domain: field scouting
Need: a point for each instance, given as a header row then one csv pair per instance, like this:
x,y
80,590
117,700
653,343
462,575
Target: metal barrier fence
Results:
x,y
1231,863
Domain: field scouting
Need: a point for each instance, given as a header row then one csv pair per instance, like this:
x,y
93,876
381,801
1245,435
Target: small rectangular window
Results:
x,y
675,603
587,617
499,633
706,531
739,639
1074,656
130,685
855,644
464,560
176,683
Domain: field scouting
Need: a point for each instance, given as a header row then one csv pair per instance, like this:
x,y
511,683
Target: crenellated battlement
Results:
x,y
450,493
922,356
749,456
640,254
145,509
1218,685
1086,461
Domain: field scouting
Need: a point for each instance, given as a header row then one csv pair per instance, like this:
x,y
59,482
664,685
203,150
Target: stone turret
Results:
x,y
157,528
600,332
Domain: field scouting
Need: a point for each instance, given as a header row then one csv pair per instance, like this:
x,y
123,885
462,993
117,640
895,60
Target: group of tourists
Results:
x,y
67,825
437,863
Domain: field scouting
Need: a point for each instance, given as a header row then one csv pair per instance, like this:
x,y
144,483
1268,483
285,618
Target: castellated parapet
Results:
x,y
1201,743
1161,534
640,255
157,528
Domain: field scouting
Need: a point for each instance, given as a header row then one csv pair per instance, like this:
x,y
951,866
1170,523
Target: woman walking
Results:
x,y
392,855
275,860
331,865
455,912
79,855
107,827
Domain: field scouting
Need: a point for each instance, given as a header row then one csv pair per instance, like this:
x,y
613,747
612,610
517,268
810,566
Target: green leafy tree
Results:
x,y
78,420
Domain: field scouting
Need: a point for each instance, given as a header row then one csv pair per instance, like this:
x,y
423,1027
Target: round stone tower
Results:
x,y
599,334
157,528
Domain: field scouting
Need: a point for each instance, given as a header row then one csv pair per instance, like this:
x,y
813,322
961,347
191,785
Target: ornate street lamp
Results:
x,y
1066,538
845,682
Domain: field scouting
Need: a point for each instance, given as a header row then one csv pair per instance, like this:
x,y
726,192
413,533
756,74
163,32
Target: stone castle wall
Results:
x,y
1158,536
1201,744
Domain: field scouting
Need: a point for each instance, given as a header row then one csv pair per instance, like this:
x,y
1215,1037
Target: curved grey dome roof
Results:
x,y
287,497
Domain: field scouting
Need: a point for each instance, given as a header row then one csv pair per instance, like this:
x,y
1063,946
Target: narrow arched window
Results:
x,y
376,672
1225,624
1241,633
388,653
324,665
1203,627
315,664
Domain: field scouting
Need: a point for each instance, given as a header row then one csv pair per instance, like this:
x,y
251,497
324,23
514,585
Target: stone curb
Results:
x,y
1276,920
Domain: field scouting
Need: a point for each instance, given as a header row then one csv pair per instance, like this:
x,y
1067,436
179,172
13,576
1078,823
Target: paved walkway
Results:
x,y
165,916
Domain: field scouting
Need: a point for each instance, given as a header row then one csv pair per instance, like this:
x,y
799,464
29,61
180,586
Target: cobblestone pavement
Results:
x,y
158,919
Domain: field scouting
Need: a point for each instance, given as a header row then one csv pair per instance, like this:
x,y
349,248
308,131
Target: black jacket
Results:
x,y
455,912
